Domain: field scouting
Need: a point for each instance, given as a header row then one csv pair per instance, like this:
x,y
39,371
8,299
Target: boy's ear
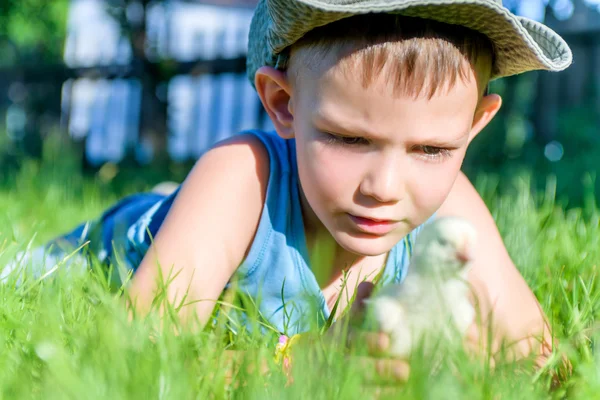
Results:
x,y
275,91
487,109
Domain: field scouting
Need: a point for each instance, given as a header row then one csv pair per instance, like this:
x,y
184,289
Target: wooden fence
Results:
x,y
195,57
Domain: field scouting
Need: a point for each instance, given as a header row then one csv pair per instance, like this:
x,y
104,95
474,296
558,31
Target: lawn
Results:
x,y
68,335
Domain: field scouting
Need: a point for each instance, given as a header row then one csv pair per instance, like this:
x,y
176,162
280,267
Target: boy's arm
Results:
x,y
208,230
504,298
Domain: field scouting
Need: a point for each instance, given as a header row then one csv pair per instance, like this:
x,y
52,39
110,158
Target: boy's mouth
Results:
x,y
373,226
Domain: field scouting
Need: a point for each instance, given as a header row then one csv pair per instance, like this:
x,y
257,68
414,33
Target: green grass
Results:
x,y
69,336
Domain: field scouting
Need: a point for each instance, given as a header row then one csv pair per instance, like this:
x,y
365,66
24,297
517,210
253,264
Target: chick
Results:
x,y
433,301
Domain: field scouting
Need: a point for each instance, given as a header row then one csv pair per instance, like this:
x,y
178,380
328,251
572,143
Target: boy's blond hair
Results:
x,y
418,56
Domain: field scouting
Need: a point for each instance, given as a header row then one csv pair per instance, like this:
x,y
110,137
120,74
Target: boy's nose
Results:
x,y
383,182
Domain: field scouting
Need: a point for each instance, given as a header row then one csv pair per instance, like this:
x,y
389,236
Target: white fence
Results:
x,y
201,109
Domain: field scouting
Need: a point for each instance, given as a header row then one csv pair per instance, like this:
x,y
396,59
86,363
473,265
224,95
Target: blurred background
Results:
x,y
131,92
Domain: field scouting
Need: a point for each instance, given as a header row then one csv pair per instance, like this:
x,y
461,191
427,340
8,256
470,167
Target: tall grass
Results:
x,y
69,335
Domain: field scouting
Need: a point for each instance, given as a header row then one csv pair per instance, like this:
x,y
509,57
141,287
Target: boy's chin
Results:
x,y
365,245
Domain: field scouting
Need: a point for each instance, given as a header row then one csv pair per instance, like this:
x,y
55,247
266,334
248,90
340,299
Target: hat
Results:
x,y
520,44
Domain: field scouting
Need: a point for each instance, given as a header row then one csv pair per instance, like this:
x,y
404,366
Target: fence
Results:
x,y
199,94
189,89
577,87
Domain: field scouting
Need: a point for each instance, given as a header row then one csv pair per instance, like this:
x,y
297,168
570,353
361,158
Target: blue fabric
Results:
x,y
275,274
276,270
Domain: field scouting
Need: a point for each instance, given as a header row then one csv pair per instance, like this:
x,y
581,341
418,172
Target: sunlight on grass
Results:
x,y
69,335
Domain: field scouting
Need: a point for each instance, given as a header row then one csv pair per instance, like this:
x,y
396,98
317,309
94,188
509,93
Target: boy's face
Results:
x,y
365,155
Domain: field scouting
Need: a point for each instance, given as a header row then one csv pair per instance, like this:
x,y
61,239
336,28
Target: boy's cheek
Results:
x,y
430,189
427,200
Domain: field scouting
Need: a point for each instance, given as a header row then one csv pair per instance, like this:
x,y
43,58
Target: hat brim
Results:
x,y
520,44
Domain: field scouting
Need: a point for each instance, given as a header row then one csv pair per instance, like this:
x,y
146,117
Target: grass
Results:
x,y
69,336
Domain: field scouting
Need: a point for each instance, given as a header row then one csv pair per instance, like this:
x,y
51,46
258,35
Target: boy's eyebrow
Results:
x,y
321,119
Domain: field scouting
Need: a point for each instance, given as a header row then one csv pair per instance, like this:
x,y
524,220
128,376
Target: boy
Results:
x,y
374,104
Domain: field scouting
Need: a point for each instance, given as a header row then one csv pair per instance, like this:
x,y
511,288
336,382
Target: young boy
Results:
x,y
374,103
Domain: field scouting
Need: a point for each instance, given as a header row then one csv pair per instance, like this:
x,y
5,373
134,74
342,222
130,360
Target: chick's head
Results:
x,y
446,245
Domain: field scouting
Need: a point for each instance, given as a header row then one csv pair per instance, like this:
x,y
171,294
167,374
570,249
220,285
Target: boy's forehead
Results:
x,y
345,107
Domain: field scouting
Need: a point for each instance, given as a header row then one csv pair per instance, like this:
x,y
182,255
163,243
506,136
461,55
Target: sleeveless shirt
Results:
x,y
275,275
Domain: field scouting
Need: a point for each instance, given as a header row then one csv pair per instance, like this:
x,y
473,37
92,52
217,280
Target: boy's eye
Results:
x,y
431,150
345,140
351,140
435,153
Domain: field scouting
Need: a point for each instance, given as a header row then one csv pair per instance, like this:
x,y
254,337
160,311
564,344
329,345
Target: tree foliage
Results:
x,y
32,31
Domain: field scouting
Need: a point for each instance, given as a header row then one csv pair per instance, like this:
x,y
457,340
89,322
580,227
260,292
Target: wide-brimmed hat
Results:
x,y
520,44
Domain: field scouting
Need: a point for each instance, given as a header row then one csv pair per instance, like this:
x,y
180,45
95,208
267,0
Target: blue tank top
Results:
x,y
277,268
276,274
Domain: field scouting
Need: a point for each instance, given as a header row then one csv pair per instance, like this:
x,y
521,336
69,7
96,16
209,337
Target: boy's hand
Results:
x,y
368,349
376,365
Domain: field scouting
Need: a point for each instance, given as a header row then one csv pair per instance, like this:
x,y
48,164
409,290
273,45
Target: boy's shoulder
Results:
x,y
247,150
276,149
